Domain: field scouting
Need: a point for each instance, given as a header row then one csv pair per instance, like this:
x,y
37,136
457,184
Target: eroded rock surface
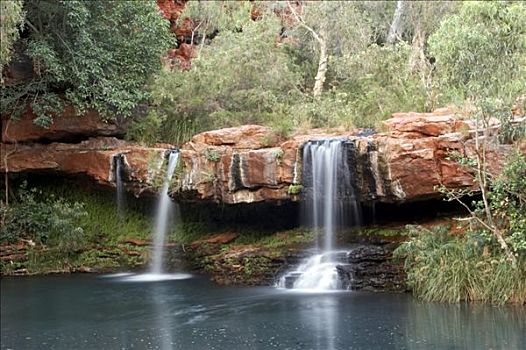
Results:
x,y
407,162
92,158
411,160
371,268
66,126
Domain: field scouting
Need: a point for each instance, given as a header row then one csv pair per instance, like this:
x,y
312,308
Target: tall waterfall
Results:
x,y
164,209
161,219
329,200
118,168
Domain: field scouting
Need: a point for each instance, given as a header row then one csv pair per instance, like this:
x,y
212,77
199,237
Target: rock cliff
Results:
x,y
408,161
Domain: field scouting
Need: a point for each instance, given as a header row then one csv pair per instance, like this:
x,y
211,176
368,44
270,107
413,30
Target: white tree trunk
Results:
x,y
395,31
319,80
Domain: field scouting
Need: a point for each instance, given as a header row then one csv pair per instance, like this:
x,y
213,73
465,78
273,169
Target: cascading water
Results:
x,y
164,208
118,166
328,199
161,220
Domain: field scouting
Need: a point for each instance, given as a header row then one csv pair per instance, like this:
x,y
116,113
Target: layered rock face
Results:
x,y
409,161
371,268
406,162
27,147
66,126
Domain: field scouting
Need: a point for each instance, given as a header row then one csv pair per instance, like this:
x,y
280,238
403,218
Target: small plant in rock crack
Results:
x,y
212,155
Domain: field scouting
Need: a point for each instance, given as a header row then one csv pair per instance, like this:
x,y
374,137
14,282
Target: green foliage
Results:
x,y
481,50
102,222
11,24
300,235
241,77
73,228
448,268
295,189
145,130
378,82
48,220
212,155
508,203
474,266
211,17
98,54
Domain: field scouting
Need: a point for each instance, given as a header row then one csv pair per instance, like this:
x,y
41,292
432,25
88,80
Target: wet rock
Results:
x,y
371,268
92,158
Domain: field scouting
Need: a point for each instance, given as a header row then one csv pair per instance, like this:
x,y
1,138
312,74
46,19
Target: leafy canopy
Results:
x,y
96,54
12,21
481,50
241,77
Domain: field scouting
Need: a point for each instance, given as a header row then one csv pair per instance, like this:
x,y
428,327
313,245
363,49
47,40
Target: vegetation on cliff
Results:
x,y
484,262
92,54
305,66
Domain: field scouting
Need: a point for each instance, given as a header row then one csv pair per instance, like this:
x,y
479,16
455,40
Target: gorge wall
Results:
x,y
408,161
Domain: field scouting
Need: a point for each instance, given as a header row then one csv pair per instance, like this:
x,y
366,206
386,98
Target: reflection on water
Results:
x,y
84,312
473,326
160,296
323,320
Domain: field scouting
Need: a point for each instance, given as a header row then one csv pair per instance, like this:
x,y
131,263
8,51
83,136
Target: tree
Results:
x,y
326,29
481,54
92,54
396,28
242,76
12,19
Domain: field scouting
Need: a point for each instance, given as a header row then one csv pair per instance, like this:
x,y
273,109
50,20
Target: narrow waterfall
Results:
x,y
118,168
328,201
161,219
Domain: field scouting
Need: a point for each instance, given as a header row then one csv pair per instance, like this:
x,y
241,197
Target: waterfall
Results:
x,y
164,209
161,219
328,200
118,168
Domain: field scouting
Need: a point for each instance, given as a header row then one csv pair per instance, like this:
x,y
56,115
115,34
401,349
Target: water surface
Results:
x,y
90,312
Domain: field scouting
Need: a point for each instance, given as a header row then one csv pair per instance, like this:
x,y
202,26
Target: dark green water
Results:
x,y
90,312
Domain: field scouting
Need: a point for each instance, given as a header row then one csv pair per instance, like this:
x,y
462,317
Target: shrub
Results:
x,y
481,50
50,220
448,268
241,77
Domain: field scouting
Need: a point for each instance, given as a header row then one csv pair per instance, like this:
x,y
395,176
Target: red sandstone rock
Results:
x,y
171,9
251,164
65,126
243,137
222,238
136,242
182,56
440,122
93,158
